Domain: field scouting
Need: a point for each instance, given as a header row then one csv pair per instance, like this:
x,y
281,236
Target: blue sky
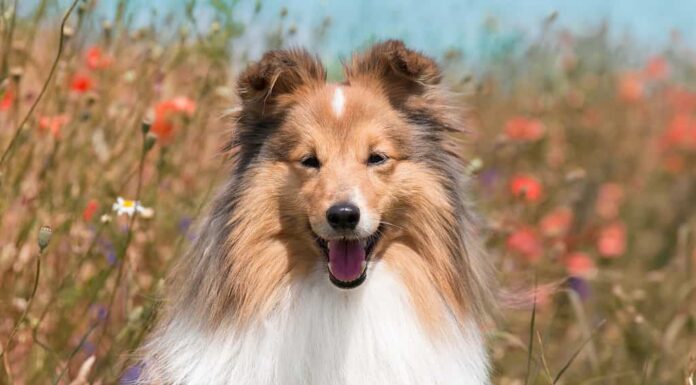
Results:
x,y
443,24
435,26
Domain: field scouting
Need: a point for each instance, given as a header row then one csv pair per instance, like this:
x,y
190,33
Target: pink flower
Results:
x,y
53,124
527,187
631,87
611,242
526,243
557,223
95,58
657,68
609,200
524,129
680,134
579,264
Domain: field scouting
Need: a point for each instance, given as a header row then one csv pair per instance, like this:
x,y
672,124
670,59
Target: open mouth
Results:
x,y
347,259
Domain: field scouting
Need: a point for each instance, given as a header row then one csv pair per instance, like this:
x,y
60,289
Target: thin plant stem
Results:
x,y
8,345
532,327
51,72
129,236
74,352
577,352
7,45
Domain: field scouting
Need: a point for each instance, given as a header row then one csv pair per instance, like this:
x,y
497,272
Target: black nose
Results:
x,y
343,216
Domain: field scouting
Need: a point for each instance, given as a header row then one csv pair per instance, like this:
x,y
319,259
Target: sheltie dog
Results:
x,y
343,249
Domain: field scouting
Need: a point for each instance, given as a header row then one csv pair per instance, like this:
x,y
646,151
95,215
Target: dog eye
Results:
x,y
310,161
376,158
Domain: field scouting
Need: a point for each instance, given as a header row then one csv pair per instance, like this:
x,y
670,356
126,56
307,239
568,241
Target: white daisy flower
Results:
x,y
130,207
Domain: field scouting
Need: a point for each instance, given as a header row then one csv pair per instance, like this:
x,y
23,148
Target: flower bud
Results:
x,y
150,141
45,233
145,127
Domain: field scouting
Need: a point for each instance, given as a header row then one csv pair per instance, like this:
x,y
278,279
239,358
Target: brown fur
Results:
x,y
258,238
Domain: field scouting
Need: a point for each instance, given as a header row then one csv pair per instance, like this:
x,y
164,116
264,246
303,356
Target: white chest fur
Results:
x,y
323,335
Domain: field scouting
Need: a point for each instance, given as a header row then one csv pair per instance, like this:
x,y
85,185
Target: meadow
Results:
x,y
582,151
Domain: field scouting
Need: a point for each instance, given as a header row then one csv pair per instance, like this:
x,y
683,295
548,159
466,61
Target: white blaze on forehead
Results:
x,y
338,102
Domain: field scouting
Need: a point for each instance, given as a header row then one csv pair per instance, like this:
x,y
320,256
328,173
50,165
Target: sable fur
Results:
x,y
255,246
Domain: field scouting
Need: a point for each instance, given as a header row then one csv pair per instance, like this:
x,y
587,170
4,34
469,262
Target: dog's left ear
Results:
x,y
401,72
265,87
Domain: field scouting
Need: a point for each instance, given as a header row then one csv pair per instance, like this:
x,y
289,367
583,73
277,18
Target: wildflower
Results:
x,y
579,286
524,129
165,114
609,200
130,207
579,264
95,58
611,242
631,87
680,134
673,163
657,68
45,233
681,100
557,223
525,242
7,99
526,187
81,83
53,124
90,210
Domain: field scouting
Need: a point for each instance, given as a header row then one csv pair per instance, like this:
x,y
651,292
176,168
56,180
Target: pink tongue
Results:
x,y
346,259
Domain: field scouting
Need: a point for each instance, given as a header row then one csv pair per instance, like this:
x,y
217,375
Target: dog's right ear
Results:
x,y
265,87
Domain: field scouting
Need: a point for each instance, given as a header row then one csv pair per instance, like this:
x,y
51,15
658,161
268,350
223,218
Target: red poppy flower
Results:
x,y
95,58
611,242
526,243
557,223
166,113
7,100
524,129
631,87
680,134
673,163
657,68
53,124
526,187
579,264
680,99
81,83
609,200
90,210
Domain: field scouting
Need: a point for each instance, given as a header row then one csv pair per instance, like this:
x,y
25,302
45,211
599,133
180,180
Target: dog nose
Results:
x,y
343,216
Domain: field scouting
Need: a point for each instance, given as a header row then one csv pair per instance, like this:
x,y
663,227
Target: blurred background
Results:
x,y
582,153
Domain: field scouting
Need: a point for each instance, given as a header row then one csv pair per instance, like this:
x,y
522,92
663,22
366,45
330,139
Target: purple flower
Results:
x,y
185,227
109,251
489,178
100,312
580,286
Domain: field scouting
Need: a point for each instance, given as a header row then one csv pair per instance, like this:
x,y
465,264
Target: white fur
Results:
x,y
368,224
322,335
338,102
